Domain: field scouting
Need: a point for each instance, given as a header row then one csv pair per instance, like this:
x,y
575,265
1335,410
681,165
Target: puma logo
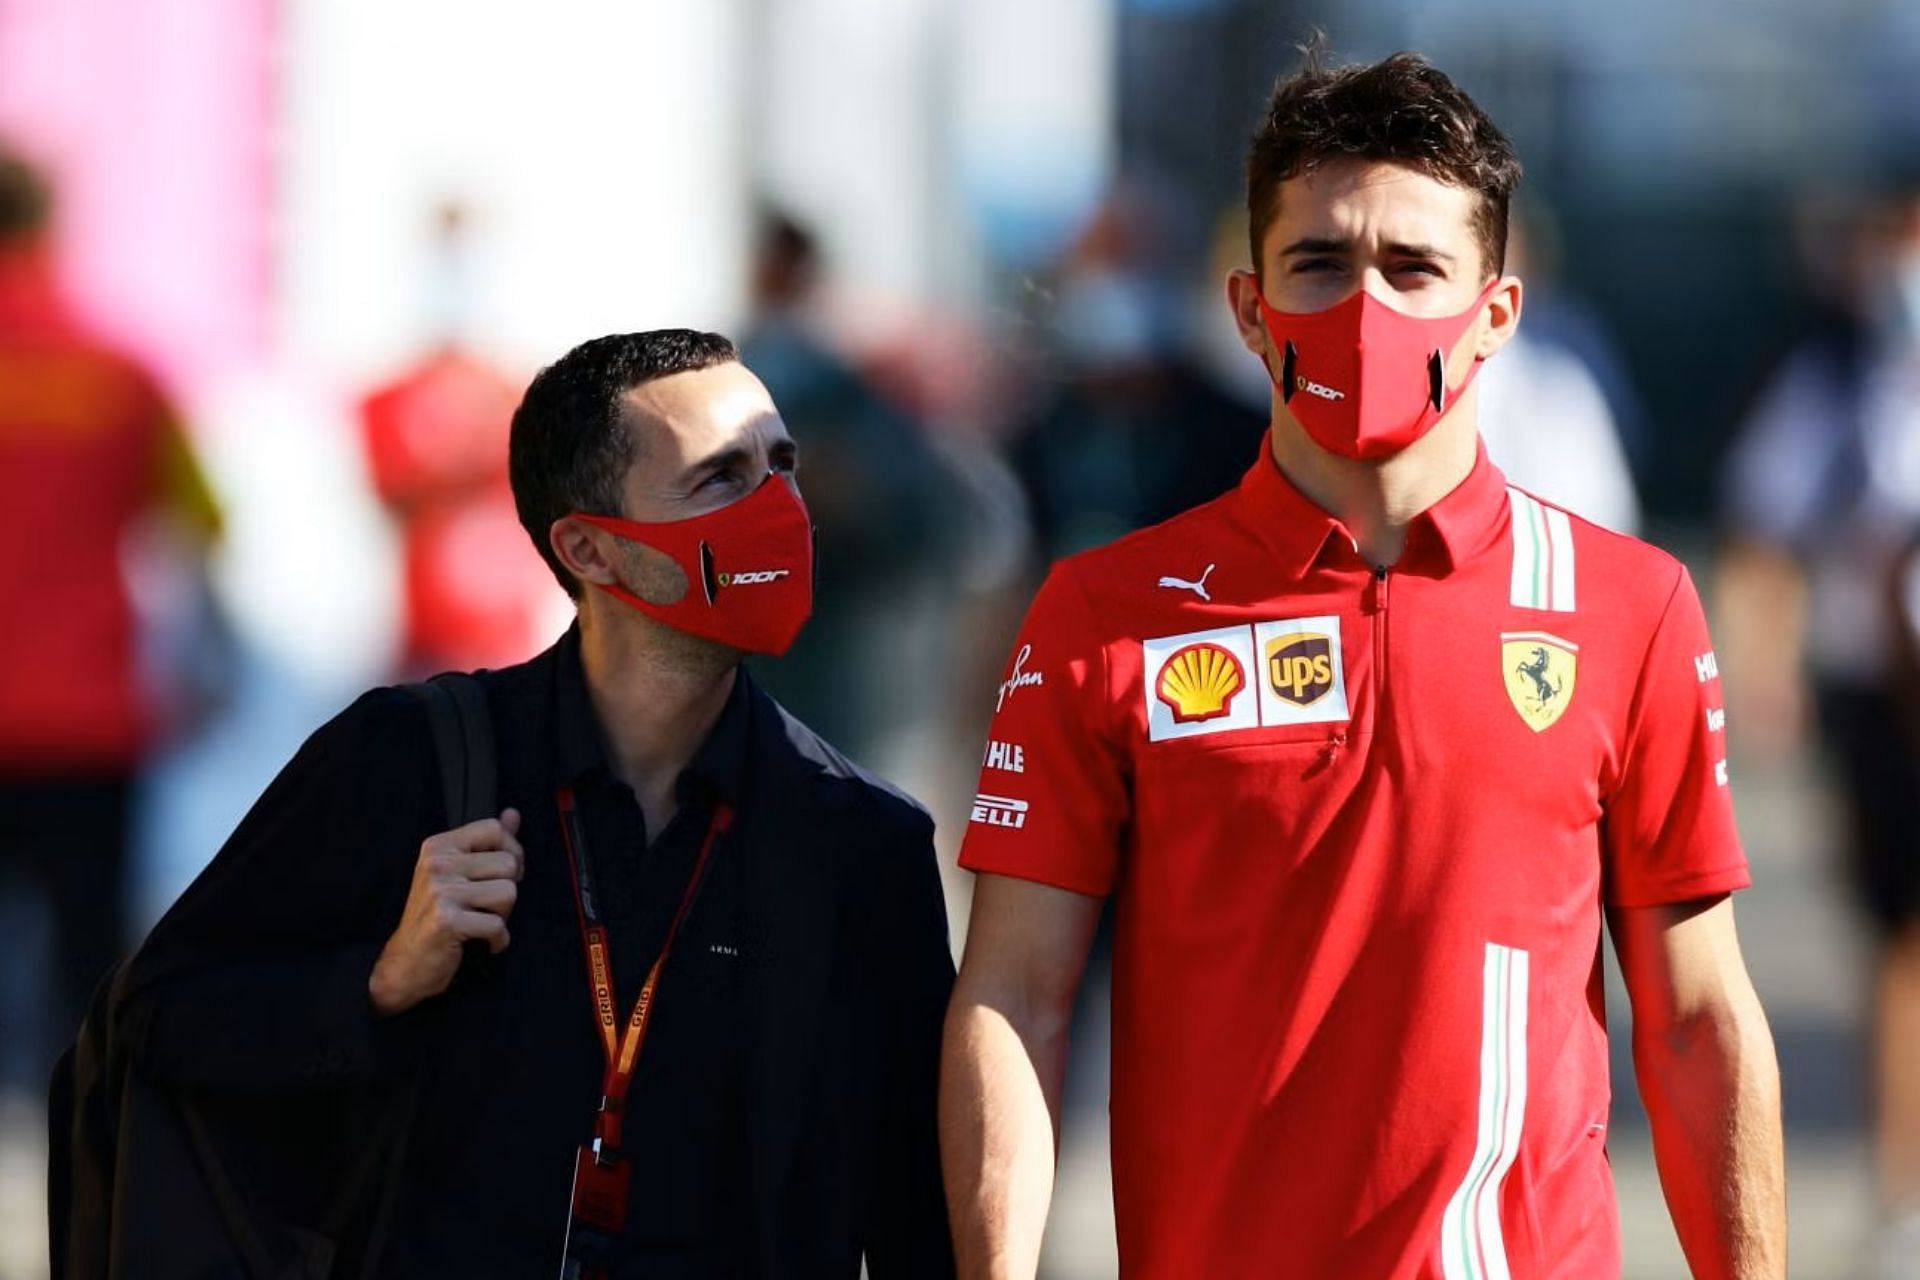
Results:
x,y
1198,587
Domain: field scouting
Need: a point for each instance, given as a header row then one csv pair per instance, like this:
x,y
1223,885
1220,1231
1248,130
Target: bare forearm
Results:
x,y
999,1107
1712,1089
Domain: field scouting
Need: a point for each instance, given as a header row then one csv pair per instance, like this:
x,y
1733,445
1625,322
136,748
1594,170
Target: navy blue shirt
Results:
x,y
684,1133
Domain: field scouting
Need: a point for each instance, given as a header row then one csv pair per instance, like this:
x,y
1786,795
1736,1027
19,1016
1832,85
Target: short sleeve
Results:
x,y
1052,801
1668,831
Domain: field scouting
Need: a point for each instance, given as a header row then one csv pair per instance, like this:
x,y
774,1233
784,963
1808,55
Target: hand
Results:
x,y
464,887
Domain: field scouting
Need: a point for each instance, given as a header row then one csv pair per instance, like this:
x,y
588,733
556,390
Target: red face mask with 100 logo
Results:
x,y
749,568
1363,380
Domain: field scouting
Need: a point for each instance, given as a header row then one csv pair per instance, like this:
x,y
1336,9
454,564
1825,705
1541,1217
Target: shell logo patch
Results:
x,y
1300,667
1538,669
1199,683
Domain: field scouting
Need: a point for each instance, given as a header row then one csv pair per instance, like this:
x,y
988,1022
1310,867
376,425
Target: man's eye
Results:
x,y
1418,268
1315,265
720,478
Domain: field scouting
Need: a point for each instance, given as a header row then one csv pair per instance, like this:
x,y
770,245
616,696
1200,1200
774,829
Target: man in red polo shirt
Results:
x,y
91,455
1362,750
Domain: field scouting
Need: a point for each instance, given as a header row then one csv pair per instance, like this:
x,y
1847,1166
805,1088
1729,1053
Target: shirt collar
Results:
x,y
720,765
1440,539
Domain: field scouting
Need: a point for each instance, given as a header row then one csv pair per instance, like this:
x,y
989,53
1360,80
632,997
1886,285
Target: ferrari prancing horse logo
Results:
x,y
1539,675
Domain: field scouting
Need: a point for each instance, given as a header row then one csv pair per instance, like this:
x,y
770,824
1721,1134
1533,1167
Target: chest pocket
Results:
x,y
1229,819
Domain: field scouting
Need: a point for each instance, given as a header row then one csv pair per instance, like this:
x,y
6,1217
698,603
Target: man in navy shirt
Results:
x,y
703,1039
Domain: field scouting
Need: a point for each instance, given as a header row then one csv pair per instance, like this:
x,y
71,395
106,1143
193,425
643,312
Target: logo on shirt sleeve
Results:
x,y
1018,677
1539,672
1008,757
999,811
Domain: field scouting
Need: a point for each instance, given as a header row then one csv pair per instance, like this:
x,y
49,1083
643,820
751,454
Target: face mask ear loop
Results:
x,y
1437,381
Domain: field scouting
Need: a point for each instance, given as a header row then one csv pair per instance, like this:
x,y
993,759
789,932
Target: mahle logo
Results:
x,y
1300,667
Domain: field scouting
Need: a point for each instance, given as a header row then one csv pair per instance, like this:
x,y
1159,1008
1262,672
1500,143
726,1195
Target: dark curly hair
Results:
x,y
570,446
1402,110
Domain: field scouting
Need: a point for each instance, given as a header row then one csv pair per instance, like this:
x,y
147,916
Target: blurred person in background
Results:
x,y
1545,418
718,950
435,438
1822,496
878,493
92,457
1134,430
1322,743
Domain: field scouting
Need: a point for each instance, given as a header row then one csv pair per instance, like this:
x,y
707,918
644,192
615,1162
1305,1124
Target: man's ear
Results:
x,y
1503,316
1243,297
586,552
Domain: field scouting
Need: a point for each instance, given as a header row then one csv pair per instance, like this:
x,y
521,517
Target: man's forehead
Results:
x,y
1344,198
688,415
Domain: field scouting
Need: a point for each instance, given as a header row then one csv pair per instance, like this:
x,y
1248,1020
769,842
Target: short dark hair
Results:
x,y
25,200
1402,110
570,447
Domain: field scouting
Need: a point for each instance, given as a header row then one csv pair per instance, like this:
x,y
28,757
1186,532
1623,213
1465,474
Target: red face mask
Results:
x,y
1363,380
749,568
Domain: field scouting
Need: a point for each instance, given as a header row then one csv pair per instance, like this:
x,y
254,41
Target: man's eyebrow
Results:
x,y
1419,251
1324,244
714,463
1316,244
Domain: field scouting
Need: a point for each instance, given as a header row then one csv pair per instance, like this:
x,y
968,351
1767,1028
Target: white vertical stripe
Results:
x,y
1560,533
1525,548
1471,1246
1487,1211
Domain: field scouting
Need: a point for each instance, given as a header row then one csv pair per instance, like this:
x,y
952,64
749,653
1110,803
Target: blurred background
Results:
x,y
274,272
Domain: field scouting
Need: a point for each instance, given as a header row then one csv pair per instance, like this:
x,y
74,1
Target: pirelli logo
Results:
x,y
999,811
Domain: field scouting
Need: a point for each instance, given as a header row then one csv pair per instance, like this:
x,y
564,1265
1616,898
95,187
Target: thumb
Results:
x,y
510,819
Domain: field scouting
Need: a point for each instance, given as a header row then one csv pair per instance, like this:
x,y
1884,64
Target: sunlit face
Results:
x,y
703,440
1404,237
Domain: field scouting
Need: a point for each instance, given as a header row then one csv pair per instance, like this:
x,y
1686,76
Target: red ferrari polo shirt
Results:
x,y
84,435
1359,827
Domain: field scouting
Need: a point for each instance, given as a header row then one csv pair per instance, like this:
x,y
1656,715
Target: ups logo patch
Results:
x,y
1300,667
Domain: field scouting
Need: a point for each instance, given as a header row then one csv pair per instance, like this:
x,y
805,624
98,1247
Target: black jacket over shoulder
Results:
x,y
253,989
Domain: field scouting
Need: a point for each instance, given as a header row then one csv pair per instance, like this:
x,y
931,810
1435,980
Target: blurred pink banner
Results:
x,y
155,119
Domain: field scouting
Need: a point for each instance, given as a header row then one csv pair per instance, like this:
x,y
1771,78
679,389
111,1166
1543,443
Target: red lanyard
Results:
x,y
622,1051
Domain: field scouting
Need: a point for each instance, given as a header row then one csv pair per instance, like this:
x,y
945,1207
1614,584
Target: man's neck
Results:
x,y
656,698
1377,500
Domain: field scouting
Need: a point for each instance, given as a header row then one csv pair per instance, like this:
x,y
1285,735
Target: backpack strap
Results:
x,y
463,743
463,740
